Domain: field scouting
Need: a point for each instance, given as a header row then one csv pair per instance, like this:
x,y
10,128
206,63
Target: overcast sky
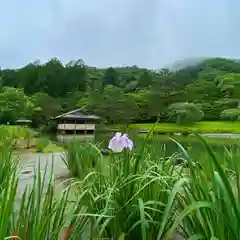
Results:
x,y
147,33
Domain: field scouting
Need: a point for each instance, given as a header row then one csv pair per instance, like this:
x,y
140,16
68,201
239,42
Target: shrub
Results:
x,y
40,215
230,114
32,216
81,158
185,113
51,148
41,143
208,204
146,197
139,195
134,199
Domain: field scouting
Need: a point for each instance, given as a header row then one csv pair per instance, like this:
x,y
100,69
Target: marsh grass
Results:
x,y
81,158
41,143
210,199
41,215
133,195
143,195
38,213
8,187
131,199
16,132
199,127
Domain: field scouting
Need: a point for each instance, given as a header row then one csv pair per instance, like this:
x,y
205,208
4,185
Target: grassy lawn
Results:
x,y
16,132
201,127
38,143
193,139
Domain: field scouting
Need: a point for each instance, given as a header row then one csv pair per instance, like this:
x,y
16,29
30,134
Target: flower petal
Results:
x,y
116,144
128,142
118,134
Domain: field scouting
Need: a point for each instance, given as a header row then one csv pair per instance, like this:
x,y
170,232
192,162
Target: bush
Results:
x,y
141,195
131,199
230,114
35,214
81,158
41,144
185,113
212,110
51,148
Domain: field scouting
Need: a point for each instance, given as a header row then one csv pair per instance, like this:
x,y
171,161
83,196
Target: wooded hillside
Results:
x,y
119,95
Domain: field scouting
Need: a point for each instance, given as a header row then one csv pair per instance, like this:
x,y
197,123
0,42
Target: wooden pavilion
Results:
x,y
76,123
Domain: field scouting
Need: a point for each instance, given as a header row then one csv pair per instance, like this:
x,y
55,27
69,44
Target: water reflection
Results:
x,y
69,137
161,144
31,161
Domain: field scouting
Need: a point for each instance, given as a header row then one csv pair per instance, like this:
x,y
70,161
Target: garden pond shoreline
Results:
x,y
29,162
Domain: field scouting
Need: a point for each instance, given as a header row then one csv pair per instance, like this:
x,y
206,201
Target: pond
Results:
x,y
30,162
163,144
169,146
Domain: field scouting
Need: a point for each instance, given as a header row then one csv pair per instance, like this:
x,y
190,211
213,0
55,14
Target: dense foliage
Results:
x,y
142,194
119,95
185,113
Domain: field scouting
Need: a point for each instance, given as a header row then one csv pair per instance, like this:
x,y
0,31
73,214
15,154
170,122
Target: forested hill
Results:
x,y
122,94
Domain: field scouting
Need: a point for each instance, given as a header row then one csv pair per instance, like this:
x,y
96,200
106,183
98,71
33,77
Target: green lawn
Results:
x,y
38,143
15,131
201,127
193,139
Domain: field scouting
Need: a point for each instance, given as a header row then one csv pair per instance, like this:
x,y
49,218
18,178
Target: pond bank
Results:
x,y
221,135
29,163
36,145
206,128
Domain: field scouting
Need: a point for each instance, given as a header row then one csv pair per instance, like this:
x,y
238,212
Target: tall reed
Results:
x,y
137,194
131,199
210,201
143,195
81,158
39,213
8,187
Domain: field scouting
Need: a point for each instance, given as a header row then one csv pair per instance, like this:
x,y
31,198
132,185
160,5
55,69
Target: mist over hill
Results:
x,y
180,64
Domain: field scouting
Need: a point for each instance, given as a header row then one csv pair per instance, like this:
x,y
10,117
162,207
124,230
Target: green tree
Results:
x,y
229,84
213,84
145,80
223,64
230,114
10,77
111,77
113,105
52,79
155,104
213,109
209,74
29,78
13,105
142,103
71,100
201,90
75,77
45,107
185,113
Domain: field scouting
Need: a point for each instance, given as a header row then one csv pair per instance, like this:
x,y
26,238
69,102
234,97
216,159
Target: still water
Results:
x,y
162,144
31,161
170,144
